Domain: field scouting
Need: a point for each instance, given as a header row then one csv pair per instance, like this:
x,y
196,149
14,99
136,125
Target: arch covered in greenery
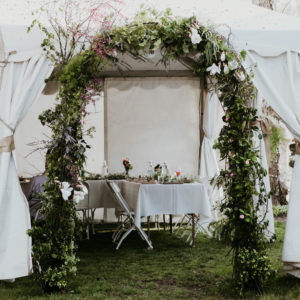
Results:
x,y
207,54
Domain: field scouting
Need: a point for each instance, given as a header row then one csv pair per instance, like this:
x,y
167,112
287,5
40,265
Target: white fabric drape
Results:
x,y
259,144
212,124
22,82
278,79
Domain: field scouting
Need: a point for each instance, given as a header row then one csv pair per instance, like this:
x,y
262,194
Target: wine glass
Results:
x,y
178,172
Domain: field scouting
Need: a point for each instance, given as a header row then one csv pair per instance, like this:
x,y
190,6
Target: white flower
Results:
x,y
240,76
233,64
223,56
213,69
226,69
78,196
85,190
195,36
66,190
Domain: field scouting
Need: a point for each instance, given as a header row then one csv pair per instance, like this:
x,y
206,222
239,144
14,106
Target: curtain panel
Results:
x,y
278,80
21,83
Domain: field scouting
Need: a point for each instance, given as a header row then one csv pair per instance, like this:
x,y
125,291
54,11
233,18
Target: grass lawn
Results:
x,y
173,270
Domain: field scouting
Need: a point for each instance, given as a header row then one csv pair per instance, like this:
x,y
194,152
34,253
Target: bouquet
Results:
x,y
127,165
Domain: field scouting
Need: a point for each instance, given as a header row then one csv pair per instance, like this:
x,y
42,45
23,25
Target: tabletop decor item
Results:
x,y
104,169
127,165
150,169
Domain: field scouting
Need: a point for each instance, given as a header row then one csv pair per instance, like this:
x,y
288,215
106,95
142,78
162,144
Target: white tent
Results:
x,y
272,45
23,71
271,41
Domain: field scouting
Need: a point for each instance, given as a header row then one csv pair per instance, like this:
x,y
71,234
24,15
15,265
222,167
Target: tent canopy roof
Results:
x,y
250,27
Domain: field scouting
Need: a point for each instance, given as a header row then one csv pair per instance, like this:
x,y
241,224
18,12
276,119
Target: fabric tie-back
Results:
x,y
264,123
297,148
7,144
278,79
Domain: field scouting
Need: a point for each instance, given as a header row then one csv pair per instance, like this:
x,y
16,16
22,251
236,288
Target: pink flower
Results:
x,y
242,217
233,155
230,140
228,166
227,118
247,162
229,153
231,174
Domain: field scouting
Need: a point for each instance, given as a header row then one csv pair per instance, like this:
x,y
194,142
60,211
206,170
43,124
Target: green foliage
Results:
x,y
276,137
280,210
253,269
208,55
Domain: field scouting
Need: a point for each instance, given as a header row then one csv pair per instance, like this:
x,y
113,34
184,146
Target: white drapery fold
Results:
x,y
212,124
266,211
278,80
22,83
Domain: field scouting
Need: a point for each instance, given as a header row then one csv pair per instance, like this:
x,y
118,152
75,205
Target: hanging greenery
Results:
x,y
276,137
207,54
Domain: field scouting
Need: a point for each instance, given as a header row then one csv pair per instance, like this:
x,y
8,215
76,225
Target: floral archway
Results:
x,y
207,54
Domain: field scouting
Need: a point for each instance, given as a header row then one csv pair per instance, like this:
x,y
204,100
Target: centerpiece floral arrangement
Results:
x,y
127,165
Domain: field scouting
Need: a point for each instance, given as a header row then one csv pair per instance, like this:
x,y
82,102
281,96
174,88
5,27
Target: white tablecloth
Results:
x,y
173,199
153,199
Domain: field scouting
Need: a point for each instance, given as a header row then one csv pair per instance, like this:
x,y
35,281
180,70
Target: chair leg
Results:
x,y
148,223
124,236
145,237
93,220
171,224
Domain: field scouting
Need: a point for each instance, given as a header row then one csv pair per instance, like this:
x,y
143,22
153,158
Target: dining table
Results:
x,y
150,199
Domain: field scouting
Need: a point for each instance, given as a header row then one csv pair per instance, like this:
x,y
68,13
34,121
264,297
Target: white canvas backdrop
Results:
x,y
152,119
30,131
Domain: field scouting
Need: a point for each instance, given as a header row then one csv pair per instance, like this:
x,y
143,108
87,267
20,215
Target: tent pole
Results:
x,y
202,102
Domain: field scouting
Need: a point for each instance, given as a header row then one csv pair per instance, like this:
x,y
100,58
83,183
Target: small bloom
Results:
x,y
229,153
78,196
66,190
195,36
233,64
247,162
223,56
228,166
230,140
242,217
226,69
240,76
213,69
233,155
231,175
